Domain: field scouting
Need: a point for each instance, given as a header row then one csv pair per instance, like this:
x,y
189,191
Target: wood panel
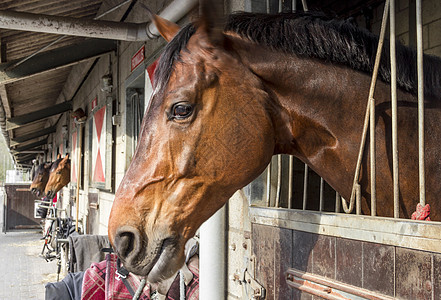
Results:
x,y
388,270
93,218
20,207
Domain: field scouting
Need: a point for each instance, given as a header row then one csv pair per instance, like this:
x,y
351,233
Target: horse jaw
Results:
x,y
168,263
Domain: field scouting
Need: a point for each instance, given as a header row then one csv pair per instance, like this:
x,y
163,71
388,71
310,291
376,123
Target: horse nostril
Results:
x,y
127,242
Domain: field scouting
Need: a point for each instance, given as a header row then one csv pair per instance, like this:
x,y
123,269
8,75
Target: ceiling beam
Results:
x,y
56,109
31,152
24,156
54,59
28,147
33,135
5,100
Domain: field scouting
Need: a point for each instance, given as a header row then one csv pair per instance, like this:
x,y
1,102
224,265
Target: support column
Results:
x,y
213,262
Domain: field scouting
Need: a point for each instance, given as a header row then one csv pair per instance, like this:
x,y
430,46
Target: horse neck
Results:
x,y
317,109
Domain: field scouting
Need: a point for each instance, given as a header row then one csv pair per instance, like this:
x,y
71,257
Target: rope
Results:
x,y
181,286
139,290
355,184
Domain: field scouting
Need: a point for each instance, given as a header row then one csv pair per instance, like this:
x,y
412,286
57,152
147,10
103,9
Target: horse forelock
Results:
x,y
170,55
55,165
315,35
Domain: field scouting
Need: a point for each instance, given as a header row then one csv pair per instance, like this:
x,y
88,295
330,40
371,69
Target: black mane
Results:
x,y
318,36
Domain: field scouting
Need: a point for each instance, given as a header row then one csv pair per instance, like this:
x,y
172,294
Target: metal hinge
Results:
x,y
253,289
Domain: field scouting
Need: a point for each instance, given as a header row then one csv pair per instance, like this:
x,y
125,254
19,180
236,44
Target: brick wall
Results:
x,y
405,23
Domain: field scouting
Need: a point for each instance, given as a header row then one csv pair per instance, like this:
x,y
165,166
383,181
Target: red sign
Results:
x,y
138,58
151,70
94,103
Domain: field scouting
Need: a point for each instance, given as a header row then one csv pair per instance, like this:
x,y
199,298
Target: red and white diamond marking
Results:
x,y
99,146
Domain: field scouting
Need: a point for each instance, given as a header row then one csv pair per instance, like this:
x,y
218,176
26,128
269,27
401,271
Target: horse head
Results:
x,y
205,135
40,179
59,176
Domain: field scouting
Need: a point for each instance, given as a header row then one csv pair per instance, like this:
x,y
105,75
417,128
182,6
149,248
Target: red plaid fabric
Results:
x,y
94,282
100,282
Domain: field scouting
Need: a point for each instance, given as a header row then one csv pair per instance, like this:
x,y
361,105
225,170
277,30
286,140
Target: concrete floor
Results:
x,y
23,274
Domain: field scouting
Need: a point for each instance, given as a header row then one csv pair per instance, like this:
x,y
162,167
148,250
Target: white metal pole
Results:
x,y
419,31
279,180
268,185
290,183
305,5
212,257
368,110
393,86
322,187
305,187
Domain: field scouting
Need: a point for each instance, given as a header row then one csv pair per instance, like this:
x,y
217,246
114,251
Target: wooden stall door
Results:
x,y
93,218
20,207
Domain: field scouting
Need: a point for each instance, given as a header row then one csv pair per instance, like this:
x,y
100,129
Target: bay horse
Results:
x,y
59,176
40,179
228,97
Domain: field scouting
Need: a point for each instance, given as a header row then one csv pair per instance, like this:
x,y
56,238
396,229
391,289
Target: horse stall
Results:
x,y
297,238
19,207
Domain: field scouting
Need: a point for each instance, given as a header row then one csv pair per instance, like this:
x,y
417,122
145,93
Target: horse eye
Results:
x,y
181,111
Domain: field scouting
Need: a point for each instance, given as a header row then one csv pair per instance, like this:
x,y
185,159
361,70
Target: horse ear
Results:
x,y
58,156
64,159
212,20
166,28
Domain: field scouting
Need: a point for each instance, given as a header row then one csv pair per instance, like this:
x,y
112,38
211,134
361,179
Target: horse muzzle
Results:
x,y
50,194
158,260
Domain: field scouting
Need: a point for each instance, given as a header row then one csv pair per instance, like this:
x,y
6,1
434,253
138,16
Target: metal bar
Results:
x,y
44,206
337,202
322,186
56,109
305,6
393,86
73,26
366,118
294,5
268,185
372,153
77,200
111,10
174,12
57,58
305,187
279,179
421,168
329,288
358,200
290,182
35,53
